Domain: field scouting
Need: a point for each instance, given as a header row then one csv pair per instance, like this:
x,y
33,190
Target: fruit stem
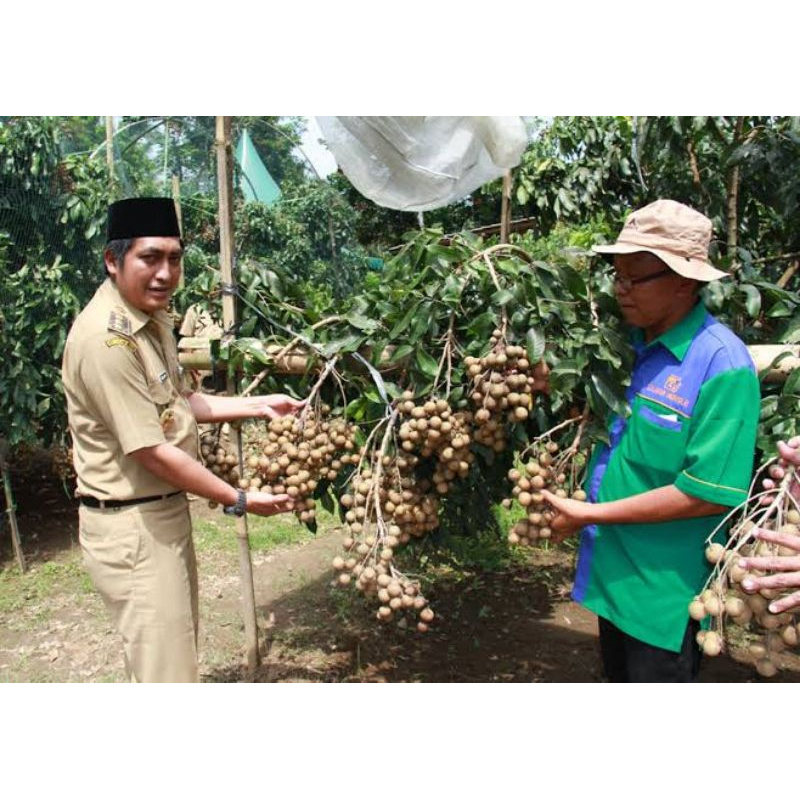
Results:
x,y
315,390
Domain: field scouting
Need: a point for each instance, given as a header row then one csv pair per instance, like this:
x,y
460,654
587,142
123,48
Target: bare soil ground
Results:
x,y
513,624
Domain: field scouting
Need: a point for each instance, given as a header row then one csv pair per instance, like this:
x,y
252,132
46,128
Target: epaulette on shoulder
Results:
x,y
119,322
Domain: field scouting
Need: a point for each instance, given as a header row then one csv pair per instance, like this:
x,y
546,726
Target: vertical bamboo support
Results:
x,y
176,196
505,212
225,188
12,516
788,274
110,153
733,198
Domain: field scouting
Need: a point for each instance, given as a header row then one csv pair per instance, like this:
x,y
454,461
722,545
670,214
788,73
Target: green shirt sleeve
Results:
x,y
722,437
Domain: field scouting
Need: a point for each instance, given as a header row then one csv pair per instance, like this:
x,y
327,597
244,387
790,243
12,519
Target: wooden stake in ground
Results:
x,y
225,188
12,516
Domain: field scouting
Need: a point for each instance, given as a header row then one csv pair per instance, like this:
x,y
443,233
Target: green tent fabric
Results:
x,y
255,181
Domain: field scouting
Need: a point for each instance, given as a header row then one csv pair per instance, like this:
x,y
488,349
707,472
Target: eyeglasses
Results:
x,y
626,284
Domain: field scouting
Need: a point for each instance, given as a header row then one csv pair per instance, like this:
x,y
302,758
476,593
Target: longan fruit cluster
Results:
x,y
503,386
725,599
399,597
407,506
219,455
386,506
63,466
295,454
433,429
290,457
542,471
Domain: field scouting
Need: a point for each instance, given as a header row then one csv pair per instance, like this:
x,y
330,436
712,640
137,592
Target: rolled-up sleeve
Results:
x,y
719,458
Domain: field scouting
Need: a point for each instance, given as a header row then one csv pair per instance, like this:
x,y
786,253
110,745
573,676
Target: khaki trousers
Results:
x,y
141,559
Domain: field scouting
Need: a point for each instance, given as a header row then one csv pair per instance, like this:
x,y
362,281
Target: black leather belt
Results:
x,y
93,502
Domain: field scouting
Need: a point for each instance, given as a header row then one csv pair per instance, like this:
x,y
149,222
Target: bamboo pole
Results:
x,y
764,354
110,153
176,196
733,199
225,187
788,274
505,209
12,516
195,353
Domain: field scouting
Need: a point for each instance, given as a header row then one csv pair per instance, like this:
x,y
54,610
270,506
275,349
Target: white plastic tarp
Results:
x,y
420,163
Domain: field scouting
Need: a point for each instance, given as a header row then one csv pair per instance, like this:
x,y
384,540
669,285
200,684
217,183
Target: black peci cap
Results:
x,y
142,216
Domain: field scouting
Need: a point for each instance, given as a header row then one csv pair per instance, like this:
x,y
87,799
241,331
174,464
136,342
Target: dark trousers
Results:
x,y
628,660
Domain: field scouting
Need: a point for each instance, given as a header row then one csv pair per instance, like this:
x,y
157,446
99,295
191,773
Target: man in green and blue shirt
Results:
x,y
676,465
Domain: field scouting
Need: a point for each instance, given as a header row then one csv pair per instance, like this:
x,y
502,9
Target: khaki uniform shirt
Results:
x,y
124,391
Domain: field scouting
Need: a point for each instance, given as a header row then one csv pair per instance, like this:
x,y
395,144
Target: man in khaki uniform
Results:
x,y
134,431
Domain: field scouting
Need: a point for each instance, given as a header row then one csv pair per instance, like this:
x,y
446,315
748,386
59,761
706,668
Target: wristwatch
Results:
x,y
239,509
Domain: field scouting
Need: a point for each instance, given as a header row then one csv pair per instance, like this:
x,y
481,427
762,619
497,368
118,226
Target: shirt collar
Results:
x,y
678,338
137,317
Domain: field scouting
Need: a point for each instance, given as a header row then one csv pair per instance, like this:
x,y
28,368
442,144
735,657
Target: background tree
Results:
x,y
577,180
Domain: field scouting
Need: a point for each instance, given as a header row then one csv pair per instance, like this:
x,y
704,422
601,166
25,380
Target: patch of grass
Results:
x,y
482,549
265,533
18,590
349,606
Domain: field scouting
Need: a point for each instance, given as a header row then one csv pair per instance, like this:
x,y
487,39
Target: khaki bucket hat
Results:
x,y
677,234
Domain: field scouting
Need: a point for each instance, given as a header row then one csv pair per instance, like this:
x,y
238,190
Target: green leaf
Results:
x,y
361,322
423,323
400,353
392,390
611,397
610,355
482,325
791,335
774,364
446,254
451,293
510,266
327,501
502,297
457,394
780,309
248,327
426,363
275,285
752,299
792,383
519,318
346,344
535,344
714,296
769,405
573,280
404,322
615,341
566,366
252,348
376,376
356,409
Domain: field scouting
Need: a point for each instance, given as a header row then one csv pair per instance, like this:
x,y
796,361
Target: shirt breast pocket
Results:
x,y
161,392
657,441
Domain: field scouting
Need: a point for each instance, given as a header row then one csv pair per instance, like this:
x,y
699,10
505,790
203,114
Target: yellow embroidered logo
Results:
x,y
120,341
672,383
